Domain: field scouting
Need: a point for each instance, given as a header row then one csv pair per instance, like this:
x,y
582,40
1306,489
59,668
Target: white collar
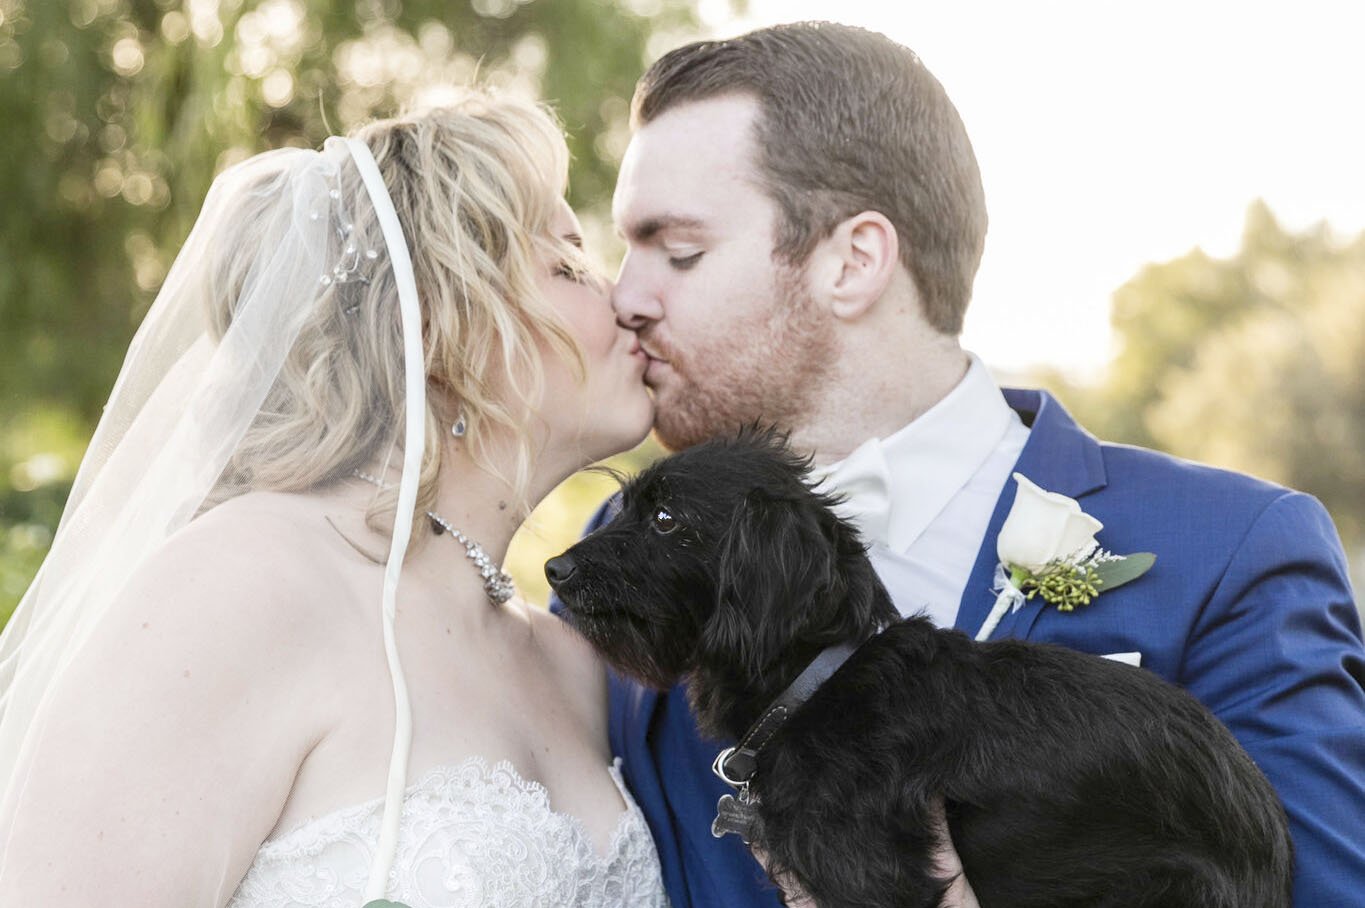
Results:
x,y
931,459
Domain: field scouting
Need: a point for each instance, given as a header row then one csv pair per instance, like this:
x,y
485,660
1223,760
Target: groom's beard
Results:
x,y
764,368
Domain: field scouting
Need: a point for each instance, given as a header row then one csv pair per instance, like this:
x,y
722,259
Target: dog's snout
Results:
x,y
559,569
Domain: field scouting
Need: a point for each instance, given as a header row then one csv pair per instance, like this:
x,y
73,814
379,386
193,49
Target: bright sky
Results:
x,y
1111,135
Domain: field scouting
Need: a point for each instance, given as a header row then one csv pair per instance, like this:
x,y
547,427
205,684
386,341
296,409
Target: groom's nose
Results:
x,y
633,299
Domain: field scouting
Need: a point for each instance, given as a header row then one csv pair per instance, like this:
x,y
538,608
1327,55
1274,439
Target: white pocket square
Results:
x,y
1133,659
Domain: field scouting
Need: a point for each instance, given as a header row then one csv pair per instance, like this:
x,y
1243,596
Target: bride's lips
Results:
x,y
637,353
653,356
652,362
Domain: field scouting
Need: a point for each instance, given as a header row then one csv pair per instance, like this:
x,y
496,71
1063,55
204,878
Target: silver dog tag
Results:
x,y
734,815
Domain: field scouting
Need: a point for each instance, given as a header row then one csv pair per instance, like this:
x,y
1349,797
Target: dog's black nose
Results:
x,y
559,569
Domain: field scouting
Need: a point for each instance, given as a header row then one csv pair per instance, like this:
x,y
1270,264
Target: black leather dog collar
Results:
x,y
737,765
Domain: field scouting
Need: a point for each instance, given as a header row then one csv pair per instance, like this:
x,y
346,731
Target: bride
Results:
x,y
220,689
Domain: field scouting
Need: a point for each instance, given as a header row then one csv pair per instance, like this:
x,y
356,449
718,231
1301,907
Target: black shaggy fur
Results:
x,y
1069,780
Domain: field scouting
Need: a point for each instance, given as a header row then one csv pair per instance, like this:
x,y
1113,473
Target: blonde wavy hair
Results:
x,y
476,185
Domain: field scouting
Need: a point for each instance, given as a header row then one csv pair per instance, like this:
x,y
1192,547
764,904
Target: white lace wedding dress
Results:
x,y
471,835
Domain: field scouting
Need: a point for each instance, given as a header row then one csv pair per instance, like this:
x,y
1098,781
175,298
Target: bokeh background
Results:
x,y
1177,245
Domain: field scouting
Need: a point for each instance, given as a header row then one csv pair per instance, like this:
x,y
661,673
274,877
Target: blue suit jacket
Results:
x,y
1248,607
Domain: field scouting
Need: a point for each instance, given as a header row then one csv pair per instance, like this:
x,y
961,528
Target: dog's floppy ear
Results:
x,y
776,576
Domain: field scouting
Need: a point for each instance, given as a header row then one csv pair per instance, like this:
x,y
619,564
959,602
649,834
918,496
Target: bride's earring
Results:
x,y
460,427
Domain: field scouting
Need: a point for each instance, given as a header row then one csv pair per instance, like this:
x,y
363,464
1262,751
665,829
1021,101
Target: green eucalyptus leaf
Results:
x,y
1111,574
384,903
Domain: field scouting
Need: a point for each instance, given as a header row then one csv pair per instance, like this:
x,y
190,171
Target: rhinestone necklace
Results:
x,y
497,583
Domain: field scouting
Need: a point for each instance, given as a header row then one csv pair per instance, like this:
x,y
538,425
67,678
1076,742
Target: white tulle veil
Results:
x,y
322,228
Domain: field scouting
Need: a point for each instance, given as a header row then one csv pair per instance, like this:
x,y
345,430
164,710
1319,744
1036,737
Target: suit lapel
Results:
x,y
1059,456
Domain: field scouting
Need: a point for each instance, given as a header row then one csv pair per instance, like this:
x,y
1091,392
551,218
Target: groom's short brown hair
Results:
x,y
848,121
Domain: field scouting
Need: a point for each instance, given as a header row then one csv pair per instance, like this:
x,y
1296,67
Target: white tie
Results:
x,y
863,480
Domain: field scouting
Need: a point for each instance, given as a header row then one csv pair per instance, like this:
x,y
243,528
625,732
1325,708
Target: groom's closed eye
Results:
x,y
684,262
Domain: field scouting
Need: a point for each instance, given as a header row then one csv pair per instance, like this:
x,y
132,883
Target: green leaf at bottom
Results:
x,y
1110,574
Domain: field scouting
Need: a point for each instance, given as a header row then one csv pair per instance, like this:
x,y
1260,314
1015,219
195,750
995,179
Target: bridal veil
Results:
x,y
292,238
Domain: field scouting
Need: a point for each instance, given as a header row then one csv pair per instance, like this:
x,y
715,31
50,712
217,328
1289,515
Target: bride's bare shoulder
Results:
x,y
257,516
264,564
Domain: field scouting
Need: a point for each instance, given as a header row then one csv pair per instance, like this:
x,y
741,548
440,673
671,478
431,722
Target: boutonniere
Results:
x,y
1047,548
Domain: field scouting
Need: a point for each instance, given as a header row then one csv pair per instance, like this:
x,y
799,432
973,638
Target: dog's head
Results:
x,y
720,559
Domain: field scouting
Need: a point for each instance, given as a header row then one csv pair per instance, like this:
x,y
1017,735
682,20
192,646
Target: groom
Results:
x,y
804,220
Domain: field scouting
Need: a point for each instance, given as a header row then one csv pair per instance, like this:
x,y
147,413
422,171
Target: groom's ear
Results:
x,y
851,268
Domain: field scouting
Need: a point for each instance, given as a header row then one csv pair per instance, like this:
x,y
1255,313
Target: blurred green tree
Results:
x,y
1251,362
118,113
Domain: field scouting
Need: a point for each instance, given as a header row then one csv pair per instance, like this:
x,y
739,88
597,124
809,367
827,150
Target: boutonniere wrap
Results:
x,y
1047,548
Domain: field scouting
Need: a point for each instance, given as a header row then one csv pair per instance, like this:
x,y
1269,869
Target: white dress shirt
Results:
x,y
924,496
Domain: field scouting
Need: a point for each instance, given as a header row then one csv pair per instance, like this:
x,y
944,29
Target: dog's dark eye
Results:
x,y
663,521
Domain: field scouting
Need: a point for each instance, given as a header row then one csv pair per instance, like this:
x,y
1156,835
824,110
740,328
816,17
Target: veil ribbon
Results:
x,y
415,389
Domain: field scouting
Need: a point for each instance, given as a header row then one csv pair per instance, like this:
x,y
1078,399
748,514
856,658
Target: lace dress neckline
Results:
x,y
438,777
472,834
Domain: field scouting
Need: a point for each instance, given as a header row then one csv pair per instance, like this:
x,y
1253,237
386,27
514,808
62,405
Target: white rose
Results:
x,y
1044,526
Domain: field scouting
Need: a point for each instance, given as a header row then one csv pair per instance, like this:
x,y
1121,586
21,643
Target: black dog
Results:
x,y
1068,780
